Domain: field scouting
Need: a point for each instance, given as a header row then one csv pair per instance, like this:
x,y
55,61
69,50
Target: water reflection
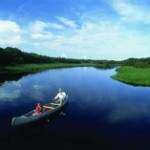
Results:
x,y
100,110
10,91
9,77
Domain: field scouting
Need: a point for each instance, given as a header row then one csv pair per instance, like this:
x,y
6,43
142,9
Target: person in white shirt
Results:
x,y
60,96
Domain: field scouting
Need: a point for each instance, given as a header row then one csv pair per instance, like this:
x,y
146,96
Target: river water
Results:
x,y
102,113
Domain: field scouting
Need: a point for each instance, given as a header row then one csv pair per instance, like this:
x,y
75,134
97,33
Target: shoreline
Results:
x,y
126,74
133,76
33,68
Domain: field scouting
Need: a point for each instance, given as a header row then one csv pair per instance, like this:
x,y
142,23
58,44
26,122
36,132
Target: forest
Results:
x,y
13,56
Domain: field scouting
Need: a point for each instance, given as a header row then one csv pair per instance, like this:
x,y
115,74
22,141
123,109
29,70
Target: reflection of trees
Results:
x,y
9,77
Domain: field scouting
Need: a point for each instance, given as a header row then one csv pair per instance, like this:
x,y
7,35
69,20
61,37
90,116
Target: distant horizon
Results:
x,y
87,29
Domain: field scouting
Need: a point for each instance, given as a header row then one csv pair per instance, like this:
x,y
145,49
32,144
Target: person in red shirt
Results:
x,y
38,109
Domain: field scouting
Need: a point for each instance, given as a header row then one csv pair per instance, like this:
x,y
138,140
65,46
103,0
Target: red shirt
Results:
x,y
38,109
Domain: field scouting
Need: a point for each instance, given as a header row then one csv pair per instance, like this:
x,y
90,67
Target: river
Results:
x,y
102,113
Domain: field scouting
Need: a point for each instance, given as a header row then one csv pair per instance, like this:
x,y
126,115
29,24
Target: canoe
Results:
x,y
49,110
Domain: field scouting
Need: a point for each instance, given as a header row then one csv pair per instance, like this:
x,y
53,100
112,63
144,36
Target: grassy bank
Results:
x,y
134,76
31,68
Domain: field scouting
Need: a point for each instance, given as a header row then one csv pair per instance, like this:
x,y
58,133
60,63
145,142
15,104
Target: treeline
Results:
x,y
137,62
10,56
13,56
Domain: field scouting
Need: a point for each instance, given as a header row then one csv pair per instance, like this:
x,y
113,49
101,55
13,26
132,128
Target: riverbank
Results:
x,y
133,75
32,68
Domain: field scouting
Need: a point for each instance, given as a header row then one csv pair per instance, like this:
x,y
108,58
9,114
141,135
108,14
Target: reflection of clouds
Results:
x,y
37,92
9,95
87,103
117,107
85,68
129,112
17,84
38,95
90,102
10,91
36,87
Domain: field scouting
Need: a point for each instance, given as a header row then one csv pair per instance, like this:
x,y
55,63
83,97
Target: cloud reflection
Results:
x,y
129,112
9,95
37,89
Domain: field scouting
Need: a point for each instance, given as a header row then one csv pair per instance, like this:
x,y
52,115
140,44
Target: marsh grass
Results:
x,y
31,68
132,75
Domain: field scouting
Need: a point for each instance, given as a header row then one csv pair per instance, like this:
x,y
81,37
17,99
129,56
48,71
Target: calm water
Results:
x,y
102,113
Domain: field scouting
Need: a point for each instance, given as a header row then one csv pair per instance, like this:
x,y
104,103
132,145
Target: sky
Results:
x,y
83,29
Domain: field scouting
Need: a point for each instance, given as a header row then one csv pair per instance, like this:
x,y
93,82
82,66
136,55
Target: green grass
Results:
x,y
132,75
31,68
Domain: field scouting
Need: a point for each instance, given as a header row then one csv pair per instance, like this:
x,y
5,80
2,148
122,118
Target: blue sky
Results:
x,y
93,29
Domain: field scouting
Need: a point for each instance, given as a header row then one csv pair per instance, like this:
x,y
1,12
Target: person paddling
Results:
x,y
60,96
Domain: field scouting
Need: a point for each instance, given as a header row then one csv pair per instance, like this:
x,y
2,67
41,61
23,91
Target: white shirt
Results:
x,y
60,95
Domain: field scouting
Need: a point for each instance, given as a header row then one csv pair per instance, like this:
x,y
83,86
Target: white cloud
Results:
x,y
63,56
7,25
41,36
10,33
12,40
67,22
55,26
131,11
38,26
42,30
95,38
